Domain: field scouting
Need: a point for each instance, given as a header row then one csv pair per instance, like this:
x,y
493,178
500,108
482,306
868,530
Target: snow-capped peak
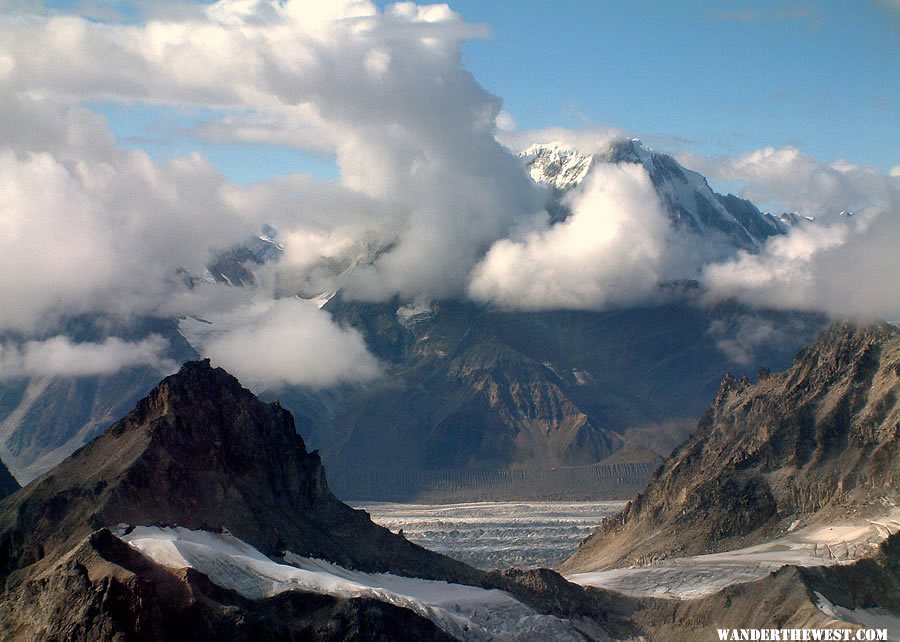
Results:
x,y
685,194
556,165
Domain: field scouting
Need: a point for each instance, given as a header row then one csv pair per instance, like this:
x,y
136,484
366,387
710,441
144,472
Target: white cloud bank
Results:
x,y
60,357
384,91
429,204
611,251
86,226
798,182
847,268
89,227
289,341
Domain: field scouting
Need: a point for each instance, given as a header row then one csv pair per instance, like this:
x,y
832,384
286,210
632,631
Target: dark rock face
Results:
x,y
202,452
821,435
8,483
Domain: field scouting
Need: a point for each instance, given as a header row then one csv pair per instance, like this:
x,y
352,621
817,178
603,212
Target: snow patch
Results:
x,y
868,618
466,612
412,313
556,165
321,299
700,575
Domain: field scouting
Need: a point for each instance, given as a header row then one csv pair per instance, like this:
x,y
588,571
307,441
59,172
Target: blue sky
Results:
x,y
727,77
713,78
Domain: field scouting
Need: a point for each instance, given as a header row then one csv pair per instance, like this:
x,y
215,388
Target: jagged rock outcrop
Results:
x,y
200,452
203,452
820,437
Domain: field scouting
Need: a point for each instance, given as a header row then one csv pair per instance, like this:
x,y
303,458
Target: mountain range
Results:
x,y
202,515
566,400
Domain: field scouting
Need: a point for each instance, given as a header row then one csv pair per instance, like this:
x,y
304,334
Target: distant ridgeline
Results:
x,y
600,481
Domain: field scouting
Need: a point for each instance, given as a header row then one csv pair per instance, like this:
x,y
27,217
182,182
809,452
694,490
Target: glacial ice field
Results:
x,y
495,534
465,612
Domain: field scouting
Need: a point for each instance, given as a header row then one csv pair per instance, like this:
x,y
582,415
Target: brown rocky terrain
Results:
x,y
805,446
203,452
788,598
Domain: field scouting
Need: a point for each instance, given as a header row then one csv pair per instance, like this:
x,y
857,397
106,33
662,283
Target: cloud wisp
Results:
x,y
786,177
59,356
288,342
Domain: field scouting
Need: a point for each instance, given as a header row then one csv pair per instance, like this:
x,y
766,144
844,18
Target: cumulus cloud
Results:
x,y
289,341
384,91
90,227
849,268
86,226
60,357
430,201
788,179
839,264
614,249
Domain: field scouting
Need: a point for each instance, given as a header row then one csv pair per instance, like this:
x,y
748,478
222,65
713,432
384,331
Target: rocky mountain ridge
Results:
x,y
482,391
202,452
794,448
685,194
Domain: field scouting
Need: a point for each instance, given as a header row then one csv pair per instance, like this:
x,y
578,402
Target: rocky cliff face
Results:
x,y
799,445
200,452
204,453
8,483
